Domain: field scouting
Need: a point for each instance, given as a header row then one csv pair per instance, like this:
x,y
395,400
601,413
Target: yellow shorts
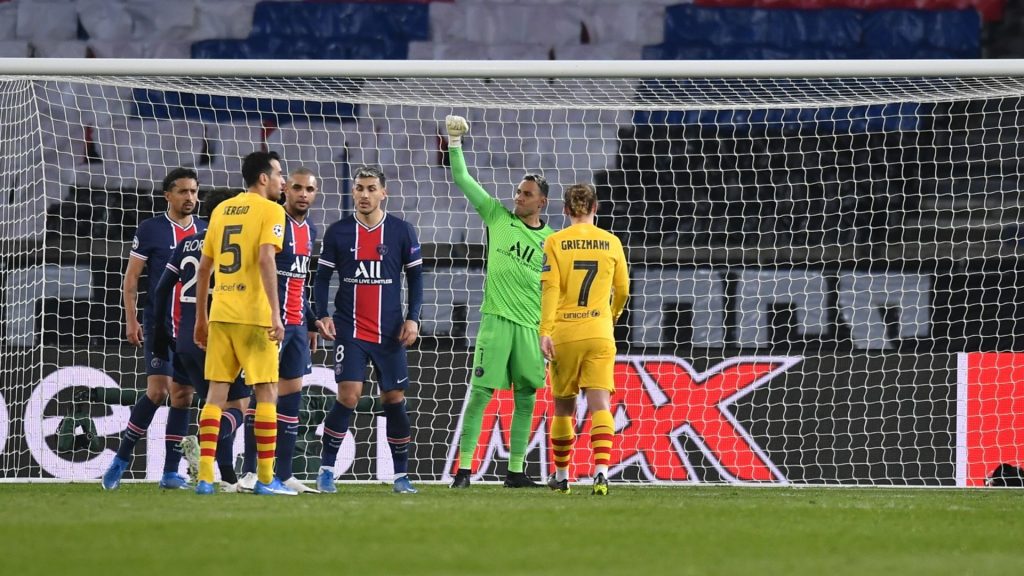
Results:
x,y
231,348
583,364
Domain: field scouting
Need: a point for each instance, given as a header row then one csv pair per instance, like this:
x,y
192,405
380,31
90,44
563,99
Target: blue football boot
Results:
x,y
275,488
112,477
325,481
173,481
403,486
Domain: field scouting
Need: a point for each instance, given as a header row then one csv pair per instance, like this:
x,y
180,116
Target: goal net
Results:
x,y
823,255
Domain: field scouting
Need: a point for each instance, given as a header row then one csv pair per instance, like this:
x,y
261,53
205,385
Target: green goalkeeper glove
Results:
x,y
457,127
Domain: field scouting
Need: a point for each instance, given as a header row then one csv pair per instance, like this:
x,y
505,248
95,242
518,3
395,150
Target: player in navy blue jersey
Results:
x,y
154,240
188,360
300,331
369,251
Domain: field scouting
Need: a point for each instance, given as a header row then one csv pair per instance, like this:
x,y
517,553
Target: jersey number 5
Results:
x,y
229,247
590,267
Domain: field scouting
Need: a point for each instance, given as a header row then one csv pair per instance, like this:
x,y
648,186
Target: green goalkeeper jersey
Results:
x,y
514,252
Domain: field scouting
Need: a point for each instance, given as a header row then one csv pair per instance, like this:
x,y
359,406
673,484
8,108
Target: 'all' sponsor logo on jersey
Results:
x,y
369,269
524,252
301,265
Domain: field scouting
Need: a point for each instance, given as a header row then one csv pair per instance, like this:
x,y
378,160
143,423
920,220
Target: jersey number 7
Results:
x,y
590,267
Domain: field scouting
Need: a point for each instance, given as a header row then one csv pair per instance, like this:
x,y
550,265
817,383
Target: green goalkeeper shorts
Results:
x,y
507,353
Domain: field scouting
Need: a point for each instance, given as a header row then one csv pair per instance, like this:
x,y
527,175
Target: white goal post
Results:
x,y
824,254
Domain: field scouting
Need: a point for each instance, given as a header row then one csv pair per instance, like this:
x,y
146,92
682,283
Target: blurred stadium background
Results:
x,y
960,185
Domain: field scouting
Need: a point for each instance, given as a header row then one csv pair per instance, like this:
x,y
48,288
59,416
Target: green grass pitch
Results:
x,y
365,529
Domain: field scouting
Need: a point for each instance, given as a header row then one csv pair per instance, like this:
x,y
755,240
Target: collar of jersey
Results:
x,y
375,226
303,223
517,219
173,223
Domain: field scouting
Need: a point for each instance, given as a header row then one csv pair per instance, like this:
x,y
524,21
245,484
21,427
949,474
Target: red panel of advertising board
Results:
x,y
991,419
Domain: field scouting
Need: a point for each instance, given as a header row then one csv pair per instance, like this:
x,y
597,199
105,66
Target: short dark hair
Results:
x,y
302,171
370,172
540,180
255,164
175,175
214,197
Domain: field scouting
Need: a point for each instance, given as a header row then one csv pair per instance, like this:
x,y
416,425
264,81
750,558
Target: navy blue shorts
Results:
x,y
389,363
188,370
296,361
154,366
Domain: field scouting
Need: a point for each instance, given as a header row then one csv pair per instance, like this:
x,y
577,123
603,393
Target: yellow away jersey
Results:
x,y
237,229
584,282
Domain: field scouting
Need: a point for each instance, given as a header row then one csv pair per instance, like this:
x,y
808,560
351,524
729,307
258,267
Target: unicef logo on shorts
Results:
x,y
382,249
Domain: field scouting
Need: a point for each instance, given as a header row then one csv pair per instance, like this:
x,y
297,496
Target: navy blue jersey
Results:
x,y
293,269
154,240
181,271
369,263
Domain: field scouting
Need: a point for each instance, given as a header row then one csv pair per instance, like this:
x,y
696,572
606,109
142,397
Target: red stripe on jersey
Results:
x,y
293,312
368,296
180,233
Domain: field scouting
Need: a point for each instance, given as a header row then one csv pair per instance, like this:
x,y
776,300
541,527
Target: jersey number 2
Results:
x,y
229,247
590,267
188,295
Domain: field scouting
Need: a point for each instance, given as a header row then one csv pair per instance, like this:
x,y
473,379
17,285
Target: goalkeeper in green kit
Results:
x,y
507,347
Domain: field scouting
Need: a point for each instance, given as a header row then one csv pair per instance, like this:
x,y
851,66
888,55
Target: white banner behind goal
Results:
x,y
824,266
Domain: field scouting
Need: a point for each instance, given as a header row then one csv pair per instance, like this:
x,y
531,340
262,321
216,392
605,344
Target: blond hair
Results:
x,y
580,200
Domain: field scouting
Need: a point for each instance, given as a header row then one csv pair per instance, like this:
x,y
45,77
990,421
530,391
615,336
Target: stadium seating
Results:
x,y
330,31
991,10
732,183
338,20
274,47
319,146
15,49
46,20
695,32
165,104
228,143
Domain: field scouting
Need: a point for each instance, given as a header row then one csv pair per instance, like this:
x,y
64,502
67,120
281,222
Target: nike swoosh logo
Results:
x,y
351,249
402,380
